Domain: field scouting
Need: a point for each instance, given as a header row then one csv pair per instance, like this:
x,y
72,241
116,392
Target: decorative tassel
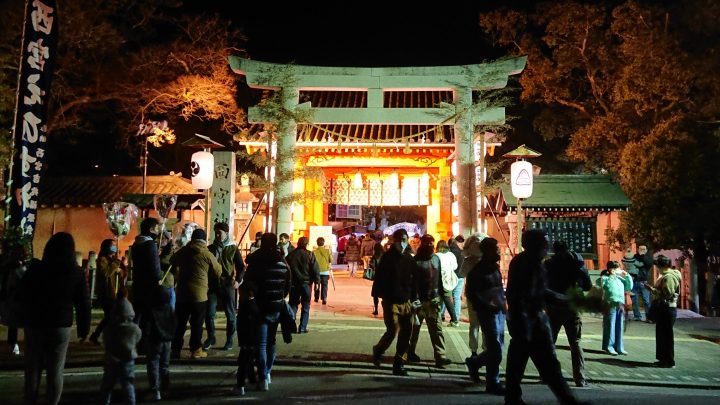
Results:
x,y
407,147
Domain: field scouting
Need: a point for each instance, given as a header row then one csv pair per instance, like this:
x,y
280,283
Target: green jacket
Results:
x,y
324,259
230,259
195,267
667,287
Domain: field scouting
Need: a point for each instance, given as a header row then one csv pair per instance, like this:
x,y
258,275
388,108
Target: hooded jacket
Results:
x,y
667,287
122,334
484,288
195,266
471,254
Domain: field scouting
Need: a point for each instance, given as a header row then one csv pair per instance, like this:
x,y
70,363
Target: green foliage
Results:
x,y
628,85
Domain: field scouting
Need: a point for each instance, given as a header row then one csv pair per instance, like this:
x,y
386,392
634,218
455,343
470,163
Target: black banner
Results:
x,y
30,133
579,233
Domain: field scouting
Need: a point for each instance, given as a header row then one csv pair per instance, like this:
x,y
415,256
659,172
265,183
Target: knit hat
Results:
x,y
222,226
199,234
123,309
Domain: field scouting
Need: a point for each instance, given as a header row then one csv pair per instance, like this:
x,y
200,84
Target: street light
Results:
x,y
156,133
521,182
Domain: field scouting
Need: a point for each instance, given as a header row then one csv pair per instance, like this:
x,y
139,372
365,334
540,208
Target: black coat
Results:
x,y
268,277
484,288
394,277
146,271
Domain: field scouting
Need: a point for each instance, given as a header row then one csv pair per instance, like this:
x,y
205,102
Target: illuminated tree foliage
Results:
x,y
630,86
122,62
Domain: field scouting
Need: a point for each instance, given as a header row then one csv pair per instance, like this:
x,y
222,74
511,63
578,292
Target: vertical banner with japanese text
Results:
x,y
30,133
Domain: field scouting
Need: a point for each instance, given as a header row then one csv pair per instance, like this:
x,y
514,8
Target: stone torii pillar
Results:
x,y
285,162
465,161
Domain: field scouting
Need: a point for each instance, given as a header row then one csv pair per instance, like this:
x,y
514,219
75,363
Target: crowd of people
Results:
x,y
413,282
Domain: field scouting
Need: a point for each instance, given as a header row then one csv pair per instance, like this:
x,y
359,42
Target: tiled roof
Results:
x,y
86,191
571,193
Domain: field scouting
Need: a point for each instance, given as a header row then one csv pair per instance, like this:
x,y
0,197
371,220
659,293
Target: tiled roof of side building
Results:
x,y
91,191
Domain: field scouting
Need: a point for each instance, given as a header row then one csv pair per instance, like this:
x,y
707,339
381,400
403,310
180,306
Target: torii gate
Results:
x,y
463,114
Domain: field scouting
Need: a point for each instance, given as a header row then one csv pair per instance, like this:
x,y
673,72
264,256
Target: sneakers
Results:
x,y
611,352
376,356
324,302
228,346
581,384
198,354
238,391
473,369
153,396
15,350
441,363
375,313
263,385
210,342
413,357
454,324
622,353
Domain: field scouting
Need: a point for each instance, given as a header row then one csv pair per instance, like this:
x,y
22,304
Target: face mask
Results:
x,y
404,244
113,249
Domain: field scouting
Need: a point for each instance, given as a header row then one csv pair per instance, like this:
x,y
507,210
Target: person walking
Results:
x,y
449,266
256,244
529,326
323,257
352,255
485,291
394,284
195,267
284,244
109,276
48,292
120,338
304,271
268,277
378,252
13,265
367,248
567,271
665,294
471,256
429,294
455,249
614,284
248,323
222,291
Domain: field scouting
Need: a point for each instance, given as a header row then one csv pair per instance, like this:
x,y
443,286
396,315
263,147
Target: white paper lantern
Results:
x,y
455,208
456,228
357,182
202,166
453,188
453,168
521,177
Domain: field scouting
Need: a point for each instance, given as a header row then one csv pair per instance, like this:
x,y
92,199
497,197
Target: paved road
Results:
x,y
337,350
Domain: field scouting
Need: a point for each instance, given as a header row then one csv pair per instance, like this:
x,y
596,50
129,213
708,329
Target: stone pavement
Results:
x,y
342,333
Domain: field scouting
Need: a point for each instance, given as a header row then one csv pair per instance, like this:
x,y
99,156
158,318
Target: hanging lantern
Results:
x,y
453,168
455,208
394,181
521,178
357,181
425,180
453,188
201,169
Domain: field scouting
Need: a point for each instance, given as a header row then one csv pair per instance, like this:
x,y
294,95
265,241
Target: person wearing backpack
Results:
x,y
448,266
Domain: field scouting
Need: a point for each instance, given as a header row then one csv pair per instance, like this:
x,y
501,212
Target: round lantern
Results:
x,y
453,188
521,178
202,166
455,208
453,168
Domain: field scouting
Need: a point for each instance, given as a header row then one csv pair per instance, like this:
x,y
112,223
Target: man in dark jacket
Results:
x,y
146,271
639,290
223,291
485,292
429,291
196,266
268,280
394,284
530,334
304,269
566,271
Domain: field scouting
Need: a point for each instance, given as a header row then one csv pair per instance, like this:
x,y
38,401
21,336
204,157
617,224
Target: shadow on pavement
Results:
x,y
624,363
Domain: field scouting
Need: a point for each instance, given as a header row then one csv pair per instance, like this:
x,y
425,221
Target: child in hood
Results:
x,y
121,336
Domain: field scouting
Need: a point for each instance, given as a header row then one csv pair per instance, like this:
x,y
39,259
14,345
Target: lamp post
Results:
x,y
521,181
156,133
202,169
